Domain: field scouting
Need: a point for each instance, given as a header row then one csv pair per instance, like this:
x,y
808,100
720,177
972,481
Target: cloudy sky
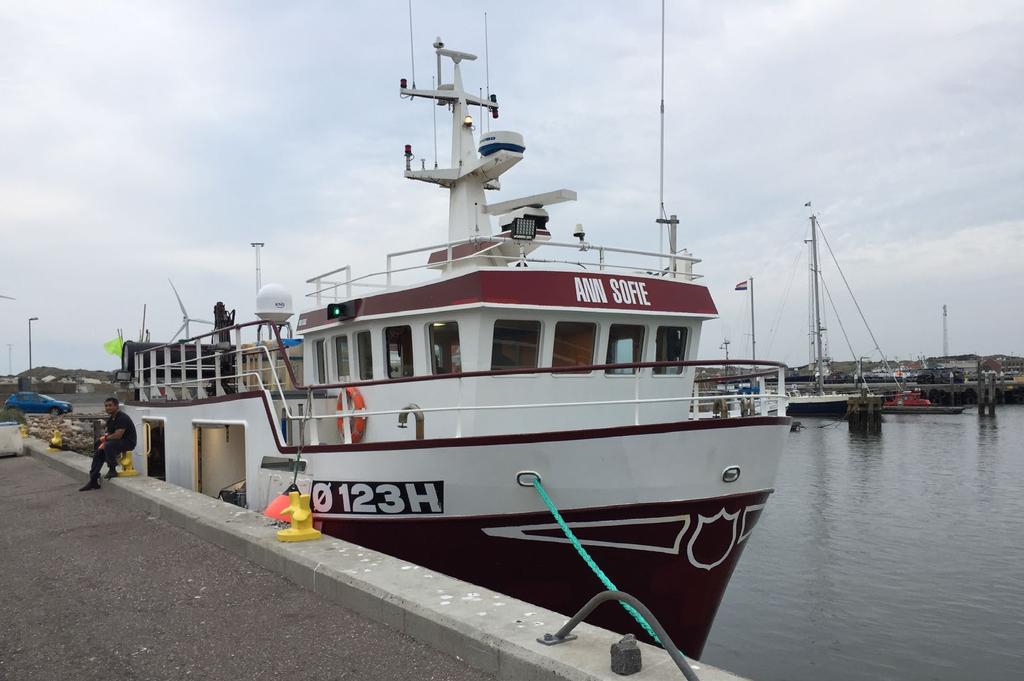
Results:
x,y
147,140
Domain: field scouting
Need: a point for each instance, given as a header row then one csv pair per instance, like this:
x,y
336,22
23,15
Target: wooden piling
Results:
x,y
864,413
987,394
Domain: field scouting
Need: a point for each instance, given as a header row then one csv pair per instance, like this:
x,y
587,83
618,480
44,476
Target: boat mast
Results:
x,y
817,311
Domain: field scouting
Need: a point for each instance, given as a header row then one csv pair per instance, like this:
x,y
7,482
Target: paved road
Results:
x,y
84,596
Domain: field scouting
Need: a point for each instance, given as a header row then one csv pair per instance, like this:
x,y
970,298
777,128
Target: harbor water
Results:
x,y
895,556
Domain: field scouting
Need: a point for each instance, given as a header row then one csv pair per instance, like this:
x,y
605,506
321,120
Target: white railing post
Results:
x,y
218,389
166,363
200,374
140,376
458,408
314,438
153,390
240,382
636,396
388,276
316,282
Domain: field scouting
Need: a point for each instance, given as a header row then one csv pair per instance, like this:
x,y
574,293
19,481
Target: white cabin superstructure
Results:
x,y
410,413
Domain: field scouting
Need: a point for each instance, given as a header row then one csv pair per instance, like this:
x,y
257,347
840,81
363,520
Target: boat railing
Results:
x,y
168,373
333,286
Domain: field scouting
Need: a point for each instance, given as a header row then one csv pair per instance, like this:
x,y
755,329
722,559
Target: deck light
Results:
x,y
408,150
403,83
341,311
524,229
467,121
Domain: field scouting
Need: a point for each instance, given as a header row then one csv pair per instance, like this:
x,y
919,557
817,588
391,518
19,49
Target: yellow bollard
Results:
x,y
24,430
56,442
301,519
127,468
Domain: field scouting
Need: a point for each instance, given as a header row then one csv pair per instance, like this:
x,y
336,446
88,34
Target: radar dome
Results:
x,y
274,303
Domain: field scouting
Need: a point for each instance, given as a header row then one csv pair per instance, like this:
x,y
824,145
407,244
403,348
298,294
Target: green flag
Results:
x,y
113,346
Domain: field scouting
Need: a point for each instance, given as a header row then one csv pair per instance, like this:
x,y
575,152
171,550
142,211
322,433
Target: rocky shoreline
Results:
x,y
75,431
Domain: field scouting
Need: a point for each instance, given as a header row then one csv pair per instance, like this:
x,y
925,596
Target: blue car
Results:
x,y
34,403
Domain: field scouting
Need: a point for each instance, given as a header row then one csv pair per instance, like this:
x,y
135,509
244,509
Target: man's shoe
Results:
x,y
112,473
92,484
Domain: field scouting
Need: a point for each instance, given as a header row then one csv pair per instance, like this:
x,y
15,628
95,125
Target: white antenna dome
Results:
x,y
274,303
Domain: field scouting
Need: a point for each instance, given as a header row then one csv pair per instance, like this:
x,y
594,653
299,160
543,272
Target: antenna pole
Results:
x,y
753,338
487,69
412,52
945,334
434,109
259,279
142,331
815,273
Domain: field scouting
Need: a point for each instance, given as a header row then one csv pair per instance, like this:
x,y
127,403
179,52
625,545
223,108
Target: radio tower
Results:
x,y
945,334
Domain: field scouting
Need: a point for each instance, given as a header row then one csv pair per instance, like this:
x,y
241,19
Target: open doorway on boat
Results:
x,y
153,443
219,461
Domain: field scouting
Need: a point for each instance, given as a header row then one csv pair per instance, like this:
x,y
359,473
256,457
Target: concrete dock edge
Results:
x,y
489,631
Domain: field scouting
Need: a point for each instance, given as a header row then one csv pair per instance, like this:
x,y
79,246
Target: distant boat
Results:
x,y
832,404
817,403
911,402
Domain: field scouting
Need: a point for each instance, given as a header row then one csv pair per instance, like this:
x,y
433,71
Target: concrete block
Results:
x,y
625,654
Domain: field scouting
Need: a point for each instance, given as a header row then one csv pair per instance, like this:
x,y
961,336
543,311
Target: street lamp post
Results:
x,y
30,320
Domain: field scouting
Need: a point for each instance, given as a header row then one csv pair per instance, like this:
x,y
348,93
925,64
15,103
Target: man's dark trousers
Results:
x,y
111,453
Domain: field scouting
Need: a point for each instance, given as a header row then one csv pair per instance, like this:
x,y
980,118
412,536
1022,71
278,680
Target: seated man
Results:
x,y
119,439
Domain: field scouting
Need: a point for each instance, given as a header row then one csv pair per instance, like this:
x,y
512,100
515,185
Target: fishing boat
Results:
x,y
525,359
911,402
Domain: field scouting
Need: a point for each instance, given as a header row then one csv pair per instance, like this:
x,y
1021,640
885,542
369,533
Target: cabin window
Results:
x,y
364,356
341,357
321,363
574,344
398,346
625,346
515,345
445,352
670,346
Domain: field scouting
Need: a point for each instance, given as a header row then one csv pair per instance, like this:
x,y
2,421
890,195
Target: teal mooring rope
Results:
x,y
588,560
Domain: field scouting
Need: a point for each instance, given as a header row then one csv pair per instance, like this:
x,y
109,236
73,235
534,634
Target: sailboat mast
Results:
x,y
817,308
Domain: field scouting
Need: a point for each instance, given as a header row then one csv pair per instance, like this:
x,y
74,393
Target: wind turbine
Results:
x,y
185,319
7,297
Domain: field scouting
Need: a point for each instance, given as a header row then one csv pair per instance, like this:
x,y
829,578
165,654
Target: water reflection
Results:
x,y
896,556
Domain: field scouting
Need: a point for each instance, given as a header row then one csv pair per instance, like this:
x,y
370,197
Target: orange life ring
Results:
x,y
358,424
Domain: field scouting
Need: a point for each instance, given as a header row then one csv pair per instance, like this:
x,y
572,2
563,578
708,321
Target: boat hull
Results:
x,y
932,409
675,557
665,509
817,405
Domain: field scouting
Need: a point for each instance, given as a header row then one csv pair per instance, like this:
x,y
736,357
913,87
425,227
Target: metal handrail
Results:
x,y
563,634
494,239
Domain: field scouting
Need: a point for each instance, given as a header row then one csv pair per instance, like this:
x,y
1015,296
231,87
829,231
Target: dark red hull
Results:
x,y
678,565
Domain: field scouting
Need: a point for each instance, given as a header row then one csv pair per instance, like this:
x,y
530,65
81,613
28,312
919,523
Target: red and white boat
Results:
x,y
569,367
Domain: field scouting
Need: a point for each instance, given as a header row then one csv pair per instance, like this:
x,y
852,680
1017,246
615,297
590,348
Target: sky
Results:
x,y
141,141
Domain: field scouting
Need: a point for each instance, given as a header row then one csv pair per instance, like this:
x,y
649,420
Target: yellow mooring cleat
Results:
x,y
127,469
56,442
301,519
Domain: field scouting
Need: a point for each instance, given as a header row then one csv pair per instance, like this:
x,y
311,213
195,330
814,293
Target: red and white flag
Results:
x,y
742,286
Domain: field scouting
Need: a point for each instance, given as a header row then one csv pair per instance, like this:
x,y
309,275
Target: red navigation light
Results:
x,y
494,112
403,83
408,150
